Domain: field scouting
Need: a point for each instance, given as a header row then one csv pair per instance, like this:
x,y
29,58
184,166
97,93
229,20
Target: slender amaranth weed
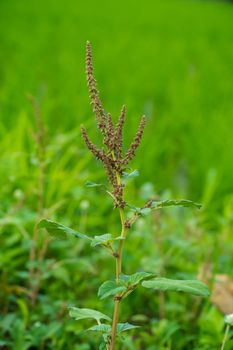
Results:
x,y
115,163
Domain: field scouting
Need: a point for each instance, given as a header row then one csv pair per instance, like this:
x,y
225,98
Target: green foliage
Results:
x,y
136,278
176,203
131,175
92,184
80,314
188,286
110,288
60,231
103,240
125,285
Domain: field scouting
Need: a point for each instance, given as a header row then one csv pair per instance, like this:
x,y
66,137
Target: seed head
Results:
x,y
136,142
111,157
93,92
118,139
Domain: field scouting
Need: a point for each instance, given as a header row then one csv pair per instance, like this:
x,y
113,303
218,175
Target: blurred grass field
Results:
x,y
173,61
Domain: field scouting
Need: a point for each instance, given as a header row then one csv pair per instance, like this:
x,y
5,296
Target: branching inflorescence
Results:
x,y
112,157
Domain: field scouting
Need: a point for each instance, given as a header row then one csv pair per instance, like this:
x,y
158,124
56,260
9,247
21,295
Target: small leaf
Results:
x,y
60,231
145,211
133,208
131,175
169,203
80,314
121,327
92,184
194,287
102,239
136,278
109,288
103,328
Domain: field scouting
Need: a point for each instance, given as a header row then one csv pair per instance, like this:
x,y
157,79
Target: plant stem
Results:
x,y
225,337
118,272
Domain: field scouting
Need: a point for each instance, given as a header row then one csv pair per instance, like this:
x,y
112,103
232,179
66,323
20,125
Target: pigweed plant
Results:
x,y
115,162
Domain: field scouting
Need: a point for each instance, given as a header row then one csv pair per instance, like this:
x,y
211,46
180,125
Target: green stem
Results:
x,y
225,337
118,272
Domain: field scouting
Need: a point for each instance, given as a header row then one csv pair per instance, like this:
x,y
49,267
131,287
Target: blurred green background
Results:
x,y
171,60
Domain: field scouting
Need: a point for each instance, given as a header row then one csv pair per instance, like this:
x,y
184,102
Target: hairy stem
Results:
x,y
118,272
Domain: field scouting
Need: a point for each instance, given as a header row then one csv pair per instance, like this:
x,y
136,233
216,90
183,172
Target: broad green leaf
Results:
x,y
126,175
103,328
80,314
136,278
109,288
194,287
102,239
179,202
60,231
92,184
121,327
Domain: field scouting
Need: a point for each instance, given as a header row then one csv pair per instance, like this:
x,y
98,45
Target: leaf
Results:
x,y
121,327
133,208
136,278
103,328
131,175
60,231
145,211
80,314
92,184
194,287
179,202
102,239
109,288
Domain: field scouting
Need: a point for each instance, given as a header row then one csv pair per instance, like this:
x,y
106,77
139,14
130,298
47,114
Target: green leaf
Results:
x,y
133,208
92,184
104,239
136,278
121,327
103,328
145,211
60,231
80,314
109,288
169,203
131,175
194,287
101,240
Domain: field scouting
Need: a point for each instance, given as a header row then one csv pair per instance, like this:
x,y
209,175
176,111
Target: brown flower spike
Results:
x,y
110,155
